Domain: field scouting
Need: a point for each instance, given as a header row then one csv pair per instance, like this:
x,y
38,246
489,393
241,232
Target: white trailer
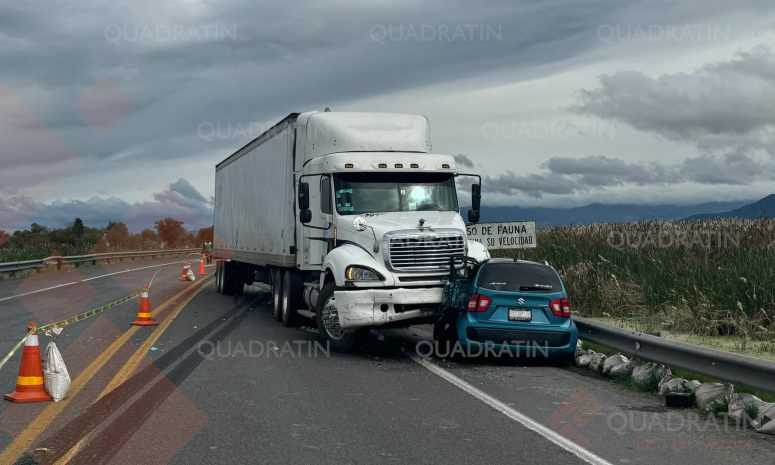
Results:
x,y
348,216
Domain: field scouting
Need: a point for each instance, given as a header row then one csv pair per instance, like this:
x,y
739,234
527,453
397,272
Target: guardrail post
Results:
x,y
59,264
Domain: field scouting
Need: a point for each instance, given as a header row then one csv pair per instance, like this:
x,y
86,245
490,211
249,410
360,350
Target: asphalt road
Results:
x,y
219,381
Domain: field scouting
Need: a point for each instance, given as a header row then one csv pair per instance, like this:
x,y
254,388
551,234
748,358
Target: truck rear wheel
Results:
x,y
219,277
232,283
327,318
277,286
291,297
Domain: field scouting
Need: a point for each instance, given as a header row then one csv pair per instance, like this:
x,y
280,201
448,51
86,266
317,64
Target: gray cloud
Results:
x,y
178,200
464,161
564,175
721,105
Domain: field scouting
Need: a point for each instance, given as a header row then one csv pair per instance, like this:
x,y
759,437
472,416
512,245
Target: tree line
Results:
x,y
77,238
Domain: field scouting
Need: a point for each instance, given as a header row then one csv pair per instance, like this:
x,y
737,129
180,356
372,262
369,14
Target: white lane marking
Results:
x,y
39,290
16,296
524,420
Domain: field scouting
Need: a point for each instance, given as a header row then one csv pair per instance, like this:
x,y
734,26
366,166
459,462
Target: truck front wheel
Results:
x,y
291,297
327,317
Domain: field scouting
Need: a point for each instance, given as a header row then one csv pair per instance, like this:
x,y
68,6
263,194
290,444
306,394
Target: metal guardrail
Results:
x,y
77,259
725,366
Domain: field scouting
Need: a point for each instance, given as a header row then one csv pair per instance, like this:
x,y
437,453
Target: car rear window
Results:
x,y
516,277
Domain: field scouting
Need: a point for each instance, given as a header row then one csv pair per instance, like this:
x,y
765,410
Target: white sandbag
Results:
x,y
672,383
649,372
56,379
706,394
584,359
613,362
622,370
692,385
738,403
579,349
765,422
190,275
597,362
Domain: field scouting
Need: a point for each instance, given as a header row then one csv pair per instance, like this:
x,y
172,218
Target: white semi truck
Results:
x,y
348,217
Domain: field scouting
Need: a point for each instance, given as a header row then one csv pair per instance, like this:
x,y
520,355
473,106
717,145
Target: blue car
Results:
x,y
508,307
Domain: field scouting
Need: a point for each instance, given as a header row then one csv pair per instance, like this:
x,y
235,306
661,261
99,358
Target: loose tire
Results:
x,y
291,297
329,331
277,302
445,336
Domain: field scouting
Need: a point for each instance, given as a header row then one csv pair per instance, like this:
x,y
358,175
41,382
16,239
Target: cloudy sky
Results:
x,y
120,110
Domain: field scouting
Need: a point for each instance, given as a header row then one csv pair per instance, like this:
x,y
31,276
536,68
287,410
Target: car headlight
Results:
x,y
359,273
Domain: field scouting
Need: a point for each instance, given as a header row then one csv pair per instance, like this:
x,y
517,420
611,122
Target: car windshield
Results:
x,y
526,277
358,193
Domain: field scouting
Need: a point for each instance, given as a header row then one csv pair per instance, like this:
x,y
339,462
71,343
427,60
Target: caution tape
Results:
x,y
68,322
88,314
15,348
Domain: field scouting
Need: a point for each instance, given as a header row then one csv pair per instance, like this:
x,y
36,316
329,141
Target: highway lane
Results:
x,y
229,384
83,343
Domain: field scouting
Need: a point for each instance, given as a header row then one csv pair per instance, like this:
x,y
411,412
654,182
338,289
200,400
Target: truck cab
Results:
x,y
375,223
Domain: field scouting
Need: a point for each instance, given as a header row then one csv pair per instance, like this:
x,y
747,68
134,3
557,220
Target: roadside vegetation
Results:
x,y
78,239
702,278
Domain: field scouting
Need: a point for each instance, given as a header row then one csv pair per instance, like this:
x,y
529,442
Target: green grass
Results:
x,y
704,278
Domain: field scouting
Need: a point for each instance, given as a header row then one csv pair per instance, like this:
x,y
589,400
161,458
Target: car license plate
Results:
x,y
517,314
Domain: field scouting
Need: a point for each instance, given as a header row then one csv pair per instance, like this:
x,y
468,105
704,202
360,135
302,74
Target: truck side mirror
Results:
x,y
476,201
305,215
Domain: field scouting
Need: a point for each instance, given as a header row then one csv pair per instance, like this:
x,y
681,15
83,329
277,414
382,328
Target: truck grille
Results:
x,y
421,253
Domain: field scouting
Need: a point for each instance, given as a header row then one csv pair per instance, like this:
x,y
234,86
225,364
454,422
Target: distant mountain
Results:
x,y
602,213
759,209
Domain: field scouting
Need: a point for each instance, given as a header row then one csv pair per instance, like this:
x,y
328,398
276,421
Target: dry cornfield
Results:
x,y
713,277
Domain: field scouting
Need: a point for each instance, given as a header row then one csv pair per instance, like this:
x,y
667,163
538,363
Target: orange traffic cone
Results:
x,y
144,311
184,276
202,266
29,384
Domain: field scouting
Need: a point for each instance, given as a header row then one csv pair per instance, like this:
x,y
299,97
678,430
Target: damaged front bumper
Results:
x,y
378,307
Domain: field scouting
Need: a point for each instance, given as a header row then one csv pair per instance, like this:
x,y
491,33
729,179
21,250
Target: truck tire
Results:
x,y
334,336
232,280
219,279
277,301
291,297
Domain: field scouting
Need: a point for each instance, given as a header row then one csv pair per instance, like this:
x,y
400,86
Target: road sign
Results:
x,y
513,235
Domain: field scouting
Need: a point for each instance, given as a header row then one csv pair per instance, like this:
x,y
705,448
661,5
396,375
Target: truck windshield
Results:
x,y
358,193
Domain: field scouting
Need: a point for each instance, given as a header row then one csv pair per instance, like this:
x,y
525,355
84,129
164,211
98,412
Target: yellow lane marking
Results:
x,y
131,364
129,368
37,426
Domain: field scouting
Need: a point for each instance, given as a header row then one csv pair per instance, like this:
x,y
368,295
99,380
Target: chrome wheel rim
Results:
x,y
330,317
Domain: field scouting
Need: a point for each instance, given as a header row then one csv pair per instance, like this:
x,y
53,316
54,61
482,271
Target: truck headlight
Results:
x,y
359,273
